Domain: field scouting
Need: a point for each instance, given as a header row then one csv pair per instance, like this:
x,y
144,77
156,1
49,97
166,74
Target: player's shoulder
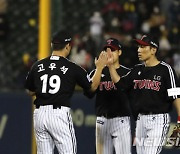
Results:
x,y
76,68
41,61
137,67
63,60
73,64
91,73
164,64
166,67
70,64
125,68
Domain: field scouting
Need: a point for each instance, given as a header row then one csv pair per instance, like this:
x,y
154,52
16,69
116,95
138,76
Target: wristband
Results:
x,y
178,120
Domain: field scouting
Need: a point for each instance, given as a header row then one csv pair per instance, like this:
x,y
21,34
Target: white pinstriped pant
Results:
x,y
113,134
54,127
151,131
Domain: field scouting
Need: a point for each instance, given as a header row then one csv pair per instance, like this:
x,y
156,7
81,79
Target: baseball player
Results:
x,y
112,109
52,80
154,88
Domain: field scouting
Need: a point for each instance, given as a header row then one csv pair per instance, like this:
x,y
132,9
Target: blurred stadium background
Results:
x,y
91,22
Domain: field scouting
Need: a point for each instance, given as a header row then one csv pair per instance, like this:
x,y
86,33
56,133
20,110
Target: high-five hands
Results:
x,y
100,64
105,59
102,60
110,57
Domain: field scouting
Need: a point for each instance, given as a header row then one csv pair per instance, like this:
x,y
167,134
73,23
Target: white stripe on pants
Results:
x,y
151,131
113,133
54,127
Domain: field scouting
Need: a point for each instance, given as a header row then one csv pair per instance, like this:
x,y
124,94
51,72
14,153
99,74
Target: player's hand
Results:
x,y
101,62
110,57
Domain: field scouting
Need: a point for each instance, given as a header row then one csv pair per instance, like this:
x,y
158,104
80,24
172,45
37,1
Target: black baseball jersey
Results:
x,y
148,87
110,101
54,78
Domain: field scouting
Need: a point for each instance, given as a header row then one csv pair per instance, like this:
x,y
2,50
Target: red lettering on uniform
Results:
x,y
157,85
101,86
113,86
147,84
151,85
136,83
142,84
107,85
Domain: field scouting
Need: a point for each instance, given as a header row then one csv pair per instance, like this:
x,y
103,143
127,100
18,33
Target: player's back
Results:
x,y
54,78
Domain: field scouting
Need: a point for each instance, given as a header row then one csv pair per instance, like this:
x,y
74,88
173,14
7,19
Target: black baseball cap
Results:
x,y
148,41
61,37
112,43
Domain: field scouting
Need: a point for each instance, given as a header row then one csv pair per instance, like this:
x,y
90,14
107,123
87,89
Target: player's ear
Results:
x,y
154,50
120,52
67,46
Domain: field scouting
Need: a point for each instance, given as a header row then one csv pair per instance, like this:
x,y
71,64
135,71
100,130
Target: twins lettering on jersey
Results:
x,y
107,85
147,84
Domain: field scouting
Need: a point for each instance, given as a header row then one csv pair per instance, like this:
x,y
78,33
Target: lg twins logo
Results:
x,y
109,41
147,84
107,85
144,36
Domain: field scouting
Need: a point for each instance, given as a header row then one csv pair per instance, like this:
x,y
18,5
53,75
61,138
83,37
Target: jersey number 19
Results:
x,y
54,83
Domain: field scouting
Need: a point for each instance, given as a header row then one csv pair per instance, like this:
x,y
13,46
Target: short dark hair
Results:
x,y
56,47
60,39
156,50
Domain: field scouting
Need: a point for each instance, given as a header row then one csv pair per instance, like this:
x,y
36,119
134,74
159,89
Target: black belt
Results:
x,y
149,113
54,106
108,116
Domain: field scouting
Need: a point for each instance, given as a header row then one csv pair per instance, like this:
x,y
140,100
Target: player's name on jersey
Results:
x,y
52,66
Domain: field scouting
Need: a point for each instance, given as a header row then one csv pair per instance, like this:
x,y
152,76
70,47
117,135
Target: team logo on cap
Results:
x,y
109,41
143,37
